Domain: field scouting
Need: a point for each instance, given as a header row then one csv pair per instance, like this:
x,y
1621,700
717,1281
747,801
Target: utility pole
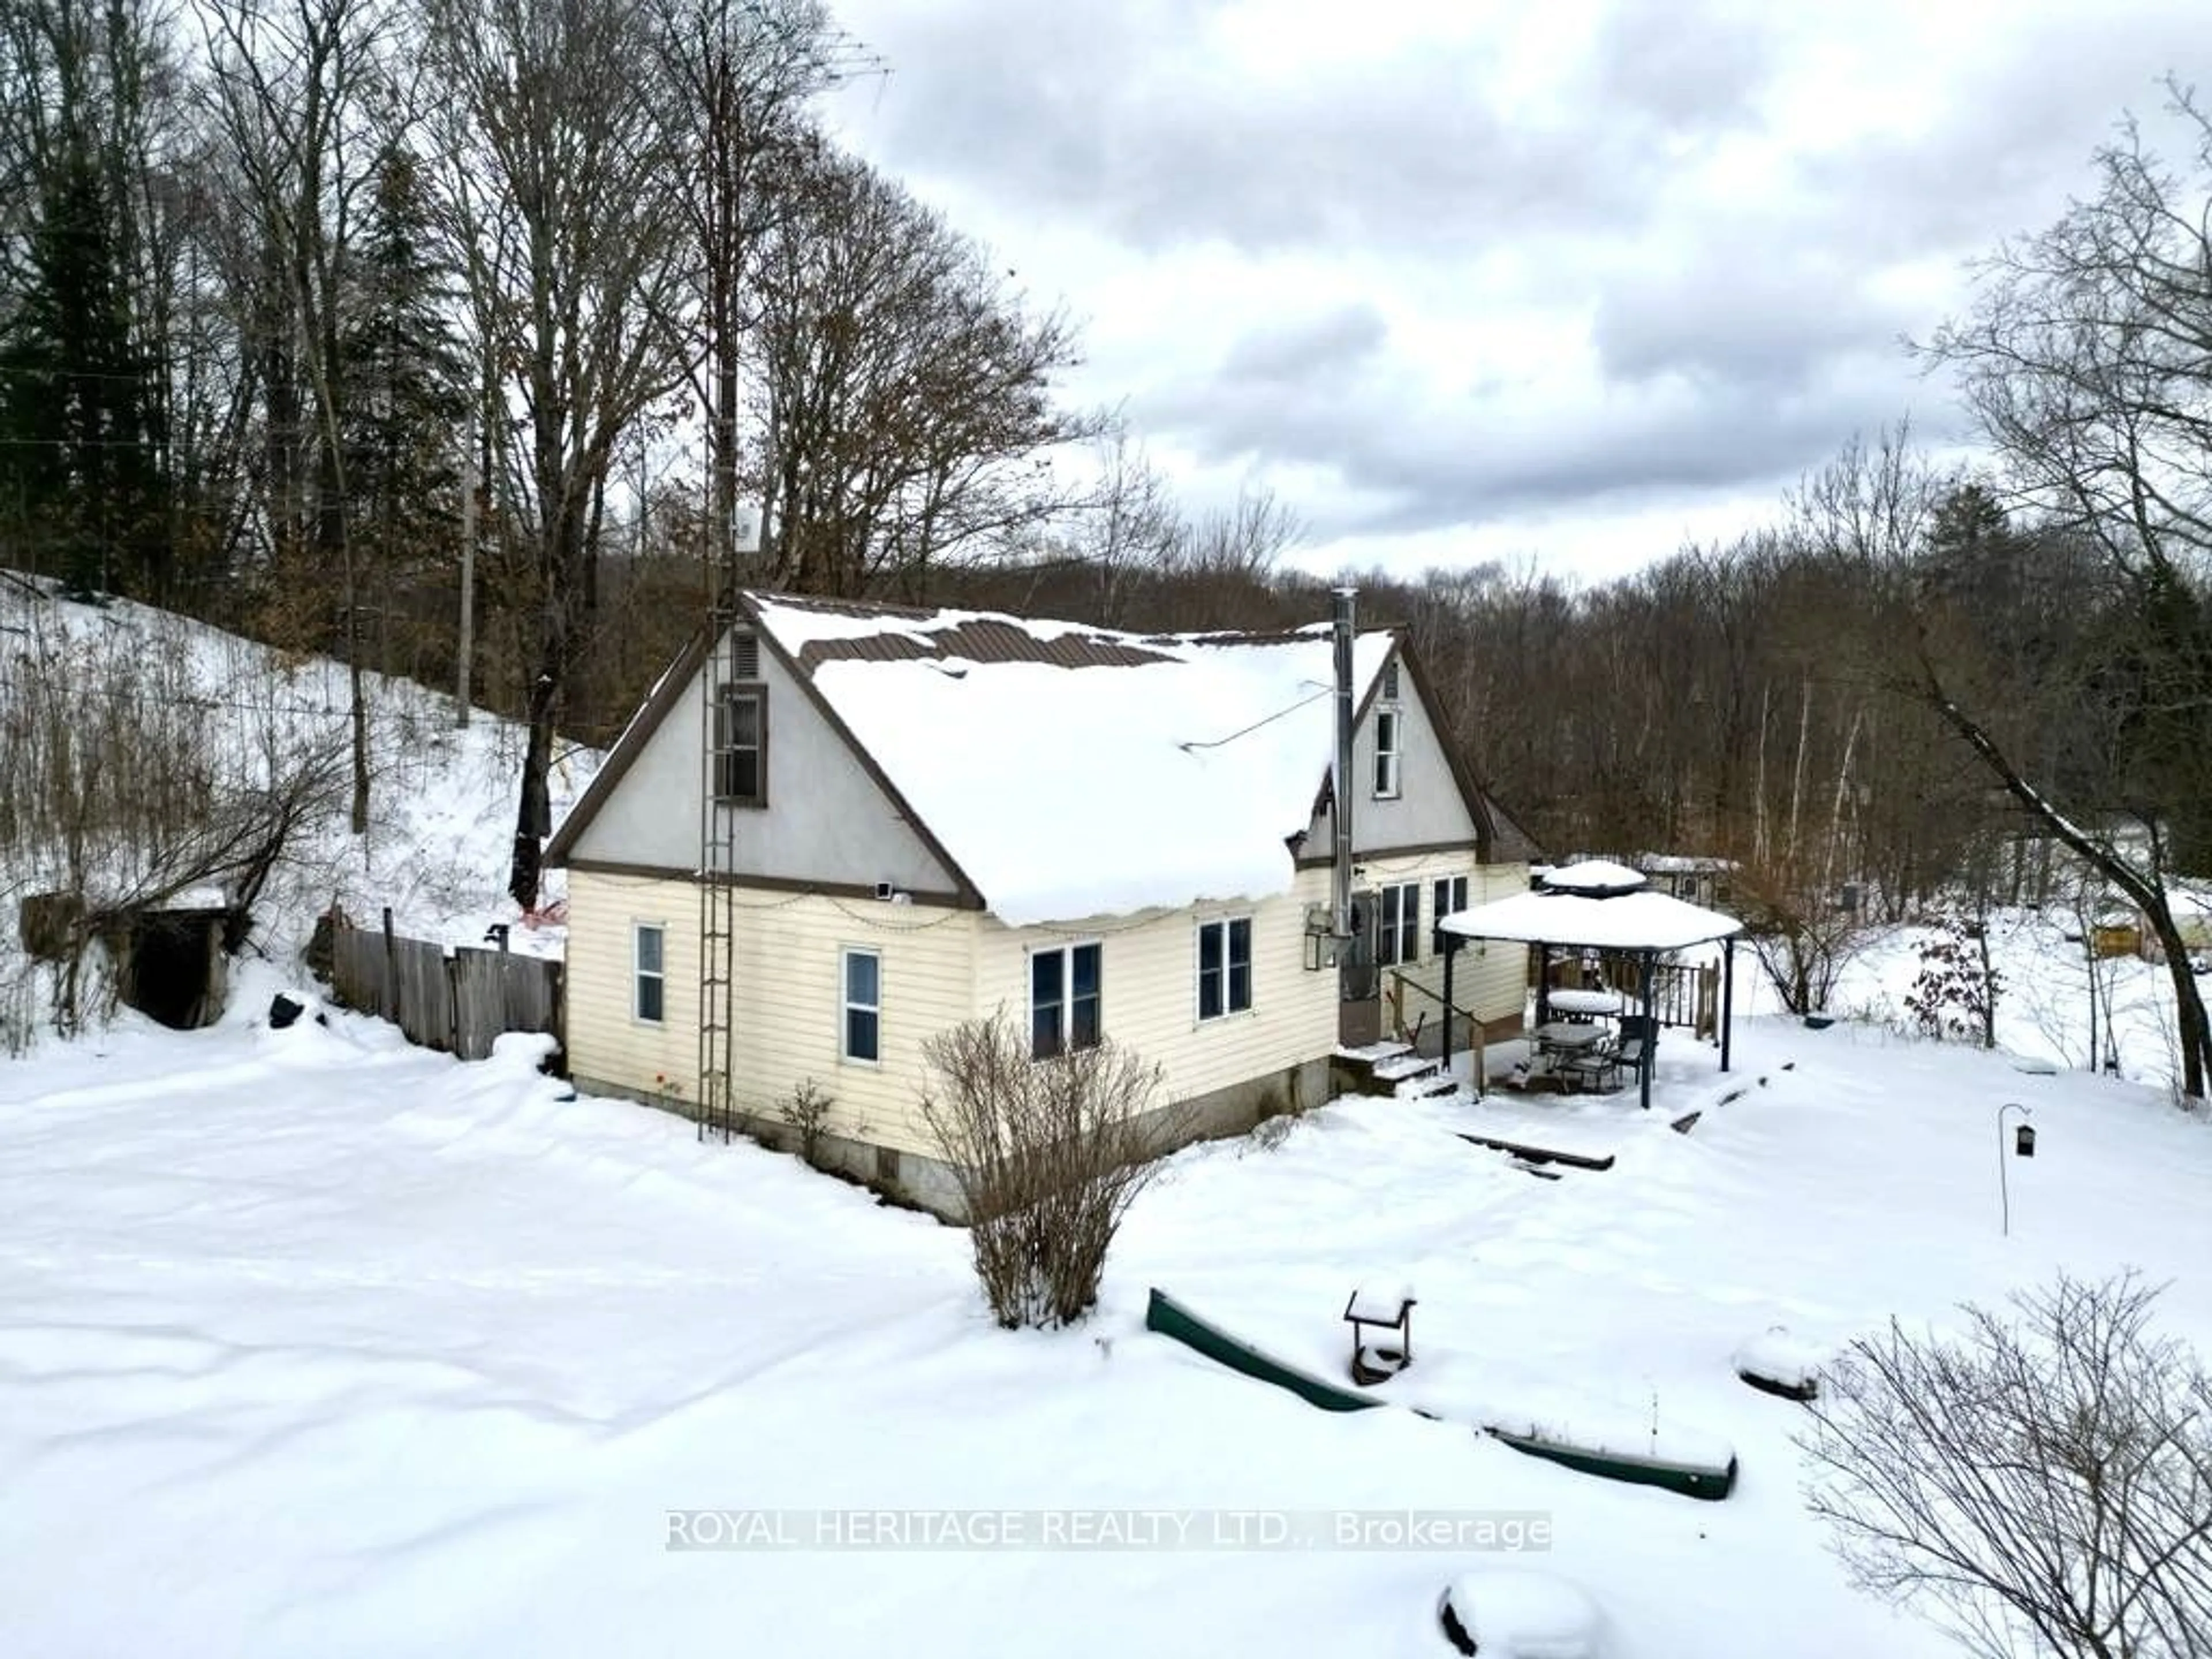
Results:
x,y
468,570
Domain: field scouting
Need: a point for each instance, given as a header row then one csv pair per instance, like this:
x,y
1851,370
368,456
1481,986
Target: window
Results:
x,y
1386,753
1391,681
1398,938
649,1002
1064,999
1450,895
741,745
1224,968
864,1005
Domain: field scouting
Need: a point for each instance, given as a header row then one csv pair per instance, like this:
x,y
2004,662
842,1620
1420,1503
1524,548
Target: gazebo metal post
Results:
x,y
1728,996
1649,1025
1451,943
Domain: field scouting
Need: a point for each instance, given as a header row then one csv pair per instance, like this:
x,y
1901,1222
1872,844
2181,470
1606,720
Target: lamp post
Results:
x,y
2024,1142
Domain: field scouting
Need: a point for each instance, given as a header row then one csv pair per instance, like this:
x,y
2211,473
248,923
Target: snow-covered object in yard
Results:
x,y
1379,1302
1780,1363
1520,1613
1640,920
1595,876
1074,772
1616,1434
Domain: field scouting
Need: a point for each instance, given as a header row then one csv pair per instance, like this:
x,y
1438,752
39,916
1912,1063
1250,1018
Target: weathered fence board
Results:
x,y
460,1004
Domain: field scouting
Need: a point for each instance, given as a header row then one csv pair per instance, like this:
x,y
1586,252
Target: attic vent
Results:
x,y
744,656
1390,680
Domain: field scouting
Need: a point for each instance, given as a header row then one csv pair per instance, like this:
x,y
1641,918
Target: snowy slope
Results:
x,y
442,800
312,1344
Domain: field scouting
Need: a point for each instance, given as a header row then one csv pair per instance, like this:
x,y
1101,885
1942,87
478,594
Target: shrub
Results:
x,y
807,1109
1954,996
1047,1155
2044,1483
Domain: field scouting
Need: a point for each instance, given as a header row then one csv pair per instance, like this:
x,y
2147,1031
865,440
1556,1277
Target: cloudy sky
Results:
x,y
1464,280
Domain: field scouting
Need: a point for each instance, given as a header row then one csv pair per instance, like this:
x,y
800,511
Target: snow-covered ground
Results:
x,y
2044,1002
442,796
313,1344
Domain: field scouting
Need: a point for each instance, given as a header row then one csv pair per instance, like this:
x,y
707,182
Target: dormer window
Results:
x,y
1388,740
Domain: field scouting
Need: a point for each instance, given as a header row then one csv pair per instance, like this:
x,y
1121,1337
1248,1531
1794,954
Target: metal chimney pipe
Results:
x,y
1345,786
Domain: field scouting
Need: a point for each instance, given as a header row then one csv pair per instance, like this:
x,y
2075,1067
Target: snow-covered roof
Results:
x,y
1595,876
1642,921
1073,771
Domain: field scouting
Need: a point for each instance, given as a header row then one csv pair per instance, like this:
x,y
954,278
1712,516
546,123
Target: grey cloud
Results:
x,y
1322,346
1744,315
1101,112
1429,466
1692,67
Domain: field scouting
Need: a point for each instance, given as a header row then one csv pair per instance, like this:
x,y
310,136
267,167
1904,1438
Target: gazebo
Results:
x,y
1601,906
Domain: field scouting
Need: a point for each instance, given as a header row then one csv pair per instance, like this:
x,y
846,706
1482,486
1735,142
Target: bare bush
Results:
x,y
806,1109
127,783
1048,1155
1804,935
2044,1482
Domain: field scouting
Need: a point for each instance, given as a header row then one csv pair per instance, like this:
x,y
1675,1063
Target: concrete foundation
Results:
x,y
917,1181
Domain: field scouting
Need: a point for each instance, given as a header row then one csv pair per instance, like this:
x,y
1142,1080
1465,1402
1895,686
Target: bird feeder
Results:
x,y
1382,1333
2023,1140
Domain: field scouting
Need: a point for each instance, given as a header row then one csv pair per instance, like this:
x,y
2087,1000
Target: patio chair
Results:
x,y
1639,1034
1598,1066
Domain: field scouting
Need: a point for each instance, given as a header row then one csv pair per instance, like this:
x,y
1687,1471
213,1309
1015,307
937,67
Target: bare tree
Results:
x,y
739,74
563,195
2042,1483
307,96
2083,360
909,401
1048,1156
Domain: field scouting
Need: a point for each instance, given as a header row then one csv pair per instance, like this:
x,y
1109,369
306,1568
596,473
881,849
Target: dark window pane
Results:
x,y
1409,947
1082,1023
1086,969
1209,992
861,978
1044,1030
648,949
860,1034
744,722
1044,978
1240,965
648,996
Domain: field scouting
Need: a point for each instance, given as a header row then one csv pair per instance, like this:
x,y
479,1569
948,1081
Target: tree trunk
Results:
x,y
2147,892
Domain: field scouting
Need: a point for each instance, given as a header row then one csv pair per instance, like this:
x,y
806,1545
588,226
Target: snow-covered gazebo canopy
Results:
x,y
1597,905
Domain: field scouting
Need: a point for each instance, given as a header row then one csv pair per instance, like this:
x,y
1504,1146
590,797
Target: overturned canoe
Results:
x,y
1163,1314
1693,1476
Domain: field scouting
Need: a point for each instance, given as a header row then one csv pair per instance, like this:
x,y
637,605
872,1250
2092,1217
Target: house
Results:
x,y
922,817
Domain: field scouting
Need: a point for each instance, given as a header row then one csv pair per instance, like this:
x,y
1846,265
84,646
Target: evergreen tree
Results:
x,y
409,391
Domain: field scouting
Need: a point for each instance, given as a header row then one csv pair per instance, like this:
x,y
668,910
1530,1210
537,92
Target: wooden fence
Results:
x,y
458,1004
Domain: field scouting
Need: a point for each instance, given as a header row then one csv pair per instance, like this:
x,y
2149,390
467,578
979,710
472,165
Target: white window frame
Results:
x,y
1390,757
1394,927
846,1007
639,973
1223,926
1067,955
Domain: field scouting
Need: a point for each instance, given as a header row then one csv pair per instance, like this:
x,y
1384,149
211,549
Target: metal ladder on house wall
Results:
x,y
718,893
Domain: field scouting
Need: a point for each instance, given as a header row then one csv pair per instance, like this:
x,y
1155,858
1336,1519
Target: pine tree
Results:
x,y
408,393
